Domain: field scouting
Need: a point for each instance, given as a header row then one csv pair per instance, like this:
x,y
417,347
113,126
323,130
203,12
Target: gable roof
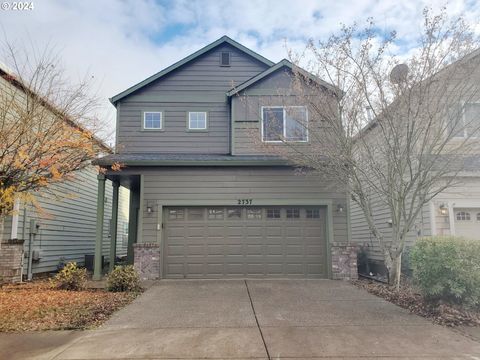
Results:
x,y
222,40
281,64
8,75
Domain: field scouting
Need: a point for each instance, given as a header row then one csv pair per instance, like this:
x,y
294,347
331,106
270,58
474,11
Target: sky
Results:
x,y
120,43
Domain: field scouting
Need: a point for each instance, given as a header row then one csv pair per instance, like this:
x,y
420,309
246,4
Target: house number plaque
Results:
x,y
245,201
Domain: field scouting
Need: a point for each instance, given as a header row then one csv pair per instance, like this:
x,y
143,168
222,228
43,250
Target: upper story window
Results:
x,y
197,120
225,58
284,123
152,120
469,124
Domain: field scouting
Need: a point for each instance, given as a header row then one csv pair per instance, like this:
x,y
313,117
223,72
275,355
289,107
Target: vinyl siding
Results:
x,y
200,85
202,185
68,221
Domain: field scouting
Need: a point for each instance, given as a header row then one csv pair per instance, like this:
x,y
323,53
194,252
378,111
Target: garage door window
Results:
x,y
215,214
273,213
293,213
313,213
176,214
234,214
254,214
463,216
195,214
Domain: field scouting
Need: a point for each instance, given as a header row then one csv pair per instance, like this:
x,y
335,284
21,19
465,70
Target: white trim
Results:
x,y
197,112
451,219
15,216
284,124
152,128
433,219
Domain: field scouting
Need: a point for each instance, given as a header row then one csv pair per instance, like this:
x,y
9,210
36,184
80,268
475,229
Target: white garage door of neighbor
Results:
x,y
467,222
215,242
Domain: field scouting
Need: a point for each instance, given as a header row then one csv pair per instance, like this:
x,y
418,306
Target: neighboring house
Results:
x,y
64,219
455,211
207,202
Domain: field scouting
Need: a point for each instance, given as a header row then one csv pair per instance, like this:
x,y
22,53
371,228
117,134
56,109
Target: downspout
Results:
x,y
14,229
24,232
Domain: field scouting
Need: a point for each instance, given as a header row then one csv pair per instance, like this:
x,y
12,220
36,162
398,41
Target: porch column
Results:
x,y
97,268
114,226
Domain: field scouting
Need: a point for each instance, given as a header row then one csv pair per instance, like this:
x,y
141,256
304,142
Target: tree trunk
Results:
x,y
394,267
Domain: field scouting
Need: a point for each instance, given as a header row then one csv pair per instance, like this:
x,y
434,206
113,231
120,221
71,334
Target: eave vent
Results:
x,y
225,59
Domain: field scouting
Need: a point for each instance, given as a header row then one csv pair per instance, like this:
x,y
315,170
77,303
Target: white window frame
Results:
x,y
189,120
284,124
465,135
145,119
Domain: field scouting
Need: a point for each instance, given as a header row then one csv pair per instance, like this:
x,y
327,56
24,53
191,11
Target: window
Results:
x,y
195,214
273,213
313,213
293,213
233,214
478,216
287,123
463,216
197,120
152,120
254,214
469,124
215,214
175,214
225,59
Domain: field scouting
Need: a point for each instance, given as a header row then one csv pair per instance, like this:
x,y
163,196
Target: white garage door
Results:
x,y
467,222
214,242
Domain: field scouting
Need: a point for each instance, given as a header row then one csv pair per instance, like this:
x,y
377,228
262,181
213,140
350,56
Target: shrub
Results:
x,y
71,277
447,269
123,278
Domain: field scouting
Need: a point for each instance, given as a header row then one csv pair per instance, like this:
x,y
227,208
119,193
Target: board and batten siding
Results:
x,y
200,85
68,221
196,186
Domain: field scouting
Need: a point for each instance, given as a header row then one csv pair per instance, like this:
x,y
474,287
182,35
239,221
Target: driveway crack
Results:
x,y
256,320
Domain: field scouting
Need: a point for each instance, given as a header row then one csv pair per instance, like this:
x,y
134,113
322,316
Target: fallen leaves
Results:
x,y
37,306
411,300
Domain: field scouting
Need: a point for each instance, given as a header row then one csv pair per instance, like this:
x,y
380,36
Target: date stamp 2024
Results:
x,y
17,6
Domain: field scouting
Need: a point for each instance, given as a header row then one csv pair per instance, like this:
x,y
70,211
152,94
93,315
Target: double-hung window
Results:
x,y
284,123
152,120
197,120
469,124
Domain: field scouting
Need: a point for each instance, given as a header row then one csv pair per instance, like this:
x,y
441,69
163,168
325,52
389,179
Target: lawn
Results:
x,y
38,306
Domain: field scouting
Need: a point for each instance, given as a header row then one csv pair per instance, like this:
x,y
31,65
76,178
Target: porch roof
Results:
x,y
142,159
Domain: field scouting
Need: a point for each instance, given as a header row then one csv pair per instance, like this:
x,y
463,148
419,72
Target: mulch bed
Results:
x,y
38,306
408,298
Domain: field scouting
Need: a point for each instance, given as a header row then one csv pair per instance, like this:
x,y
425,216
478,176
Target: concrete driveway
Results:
x,y
276,319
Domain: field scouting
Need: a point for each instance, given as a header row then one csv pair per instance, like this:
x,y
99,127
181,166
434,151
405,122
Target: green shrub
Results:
x,y
71,277
123,278
447,269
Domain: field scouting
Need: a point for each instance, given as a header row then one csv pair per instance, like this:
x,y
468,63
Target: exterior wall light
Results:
x,y
149,209
340,208
443,209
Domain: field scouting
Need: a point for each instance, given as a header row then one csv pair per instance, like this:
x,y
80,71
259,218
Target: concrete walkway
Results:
x,y
262,319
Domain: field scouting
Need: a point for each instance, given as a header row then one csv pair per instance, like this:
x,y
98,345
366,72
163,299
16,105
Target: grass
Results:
x,y
38,306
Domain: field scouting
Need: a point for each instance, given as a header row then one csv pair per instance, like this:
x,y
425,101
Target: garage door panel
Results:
x,y
244,247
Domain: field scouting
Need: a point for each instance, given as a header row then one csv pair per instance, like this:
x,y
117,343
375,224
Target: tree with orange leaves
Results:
x,y
43,126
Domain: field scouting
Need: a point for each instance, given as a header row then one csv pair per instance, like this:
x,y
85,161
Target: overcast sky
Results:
x,y
122,42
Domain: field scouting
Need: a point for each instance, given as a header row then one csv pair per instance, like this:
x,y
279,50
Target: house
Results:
x,y
61,226
207,201
456,210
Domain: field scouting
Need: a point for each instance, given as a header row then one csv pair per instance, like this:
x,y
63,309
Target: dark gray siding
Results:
x,y
200,85
197,186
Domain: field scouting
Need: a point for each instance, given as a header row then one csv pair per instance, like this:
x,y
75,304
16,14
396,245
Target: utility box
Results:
x,y
90,261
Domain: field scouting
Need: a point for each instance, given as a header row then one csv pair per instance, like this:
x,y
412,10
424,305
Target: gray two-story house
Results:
x,y
206,200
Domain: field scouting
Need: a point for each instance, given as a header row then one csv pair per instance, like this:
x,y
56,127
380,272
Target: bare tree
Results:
x,y
394,139
47,124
